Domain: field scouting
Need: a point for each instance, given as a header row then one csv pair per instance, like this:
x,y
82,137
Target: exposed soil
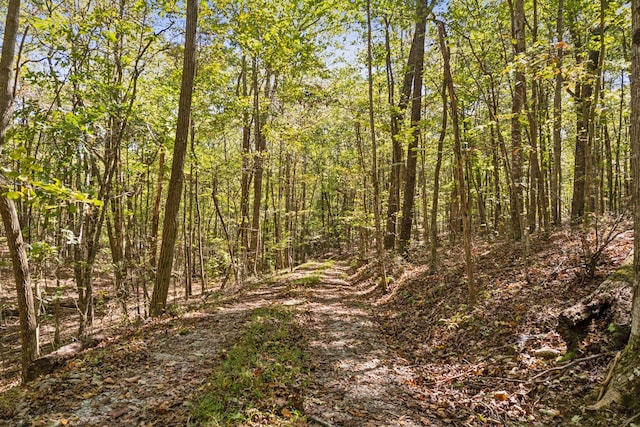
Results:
x,y
358,380
417,356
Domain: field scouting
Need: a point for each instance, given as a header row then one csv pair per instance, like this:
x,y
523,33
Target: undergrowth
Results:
x,y
261,377
309,280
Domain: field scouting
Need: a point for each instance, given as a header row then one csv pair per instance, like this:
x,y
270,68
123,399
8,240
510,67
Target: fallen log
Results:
x,y
609,304
52,361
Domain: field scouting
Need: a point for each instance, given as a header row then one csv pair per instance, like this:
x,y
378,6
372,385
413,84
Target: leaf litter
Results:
x,y
418,356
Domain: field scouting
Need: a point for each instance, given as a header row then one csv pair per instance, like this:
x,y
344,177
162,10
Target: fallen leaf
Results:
x,y
63,421
501,396
163,408
356,413
287,413
550,412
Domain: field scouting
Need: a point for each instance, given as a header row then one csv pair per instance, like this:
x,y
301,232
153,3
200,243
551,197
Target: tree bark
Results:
x,y
174,192
556,176
57,359
519,97
245,179
610,301
397,113
412,150
374,156
624,386
459,168
433,252
155,220
17,246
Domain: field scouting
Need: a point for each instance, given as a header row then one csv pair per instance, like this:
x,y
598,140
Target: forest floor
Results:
x,y
415,356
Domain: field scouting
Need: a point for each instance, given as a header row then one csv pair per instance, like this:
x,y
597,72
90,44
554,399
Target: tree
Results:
x,y
412,150
556,174
374,157
624,385
17,246
518,101
174,192
459,170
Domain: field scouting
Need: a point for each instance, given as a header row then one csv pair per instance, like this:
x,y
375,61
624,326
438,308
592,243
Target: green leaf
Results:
x,y
13,195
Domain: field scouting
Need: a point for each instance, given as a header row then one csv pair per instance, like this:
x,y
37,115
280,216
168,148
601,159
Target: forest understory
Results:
x,y
416,355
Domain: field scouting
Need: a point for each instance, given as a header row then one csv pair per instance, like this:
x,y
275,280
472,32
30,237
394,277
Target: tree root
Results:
x,y
607,380
565,366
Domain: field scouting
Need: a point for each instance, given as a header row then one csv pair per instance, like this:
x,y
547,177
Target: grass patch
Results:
x,y
261,377
326,265
309,280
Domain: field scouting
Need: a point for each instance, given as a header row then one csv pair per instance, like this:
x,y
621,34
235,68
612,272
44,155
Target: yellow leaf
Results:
x,y
287,413
63,421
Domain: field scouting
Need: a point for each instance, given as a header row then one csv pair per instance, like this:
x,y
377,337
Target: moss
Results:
x,y
628,375
623,274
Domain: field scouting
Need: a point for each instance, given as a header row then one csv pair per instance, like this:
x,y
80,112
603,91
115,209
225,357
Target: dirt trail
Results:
x,y
358,380
150,376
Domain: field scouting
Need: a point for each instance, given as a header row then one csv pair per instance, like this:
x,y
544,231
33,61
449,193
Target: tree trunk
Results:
x,y
412,150
624,385
459,168
245,179
519,99
556,175
155,221
374,156
17,246
258,169
610,303
393,205
433,252
57,359
174,193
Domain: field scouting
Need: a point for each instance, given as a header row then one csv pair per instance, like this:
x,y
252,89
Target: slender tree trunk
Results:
x,y
374,157
556,176
424,195
596,63
608,166
174,193
258,169
365,205
155,221
536,181
459,168
246,177
433,253
17,247
519,97
203,274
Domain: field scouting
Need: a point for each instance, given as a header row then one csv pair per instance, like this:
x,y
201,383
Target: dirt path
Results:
x,y
151,375
358,381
